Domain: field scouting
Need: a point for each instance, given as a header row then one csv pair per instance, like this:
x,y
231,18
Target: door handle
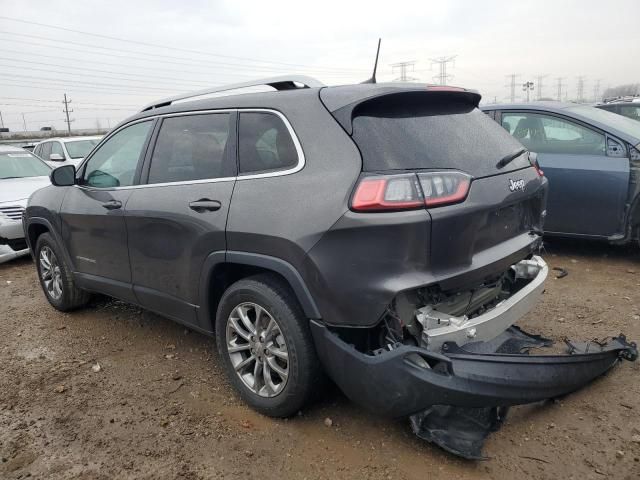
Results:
x,y
112,204
205,205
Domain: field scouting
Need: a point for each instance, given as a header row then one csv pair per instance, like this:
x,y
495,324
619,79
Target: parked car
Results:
x,y
21,174
628,107
591,159
61,151
384,233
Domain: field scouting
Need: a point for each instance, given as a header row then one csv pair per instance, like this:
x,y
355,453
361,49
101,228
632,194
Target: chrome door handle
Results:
x,y
205,205
112,204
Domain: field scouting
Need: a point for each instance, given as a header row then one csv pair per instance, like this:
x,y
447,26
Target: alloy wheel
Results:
x,y
50,273
257,349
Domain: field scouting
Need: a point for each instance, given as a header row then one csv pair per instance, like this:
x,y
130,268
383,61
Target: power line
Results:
x,y
67,112
39,100
167,47
47,86
512,86
443,77
403,67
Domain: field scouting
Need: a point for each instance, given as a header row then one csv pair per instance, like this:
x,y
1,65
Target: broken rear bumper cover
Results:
x,y
407,380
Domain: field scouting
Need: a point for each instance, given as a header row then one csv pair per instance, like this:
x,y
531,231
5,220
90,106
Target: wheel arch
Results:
x,y
223,268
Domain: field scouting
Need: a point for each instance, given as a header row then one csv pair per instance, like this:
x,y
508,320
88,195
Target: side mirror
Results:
x,y
64,176
56,157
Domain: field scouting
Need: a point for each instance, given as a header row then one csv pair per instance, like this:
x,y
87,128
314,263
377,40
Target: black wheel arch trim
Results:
x,y
52,231
277,265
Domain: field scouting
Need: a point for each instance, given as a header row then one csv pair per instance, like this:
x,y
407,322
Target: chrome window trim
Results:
x,y
249,176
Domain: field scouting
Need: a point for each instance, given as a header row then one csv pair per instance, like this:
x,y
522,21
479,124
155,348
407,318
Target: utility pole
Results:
x,y
24,122
443,77
67,112
540,78
527,87
559,86
1,121
512,86
580,89
403,67
596,91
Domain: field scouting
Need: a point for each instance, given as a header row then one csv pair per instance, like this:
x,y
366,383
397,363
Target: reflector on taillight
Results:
x,y
409,191
444,188
387,192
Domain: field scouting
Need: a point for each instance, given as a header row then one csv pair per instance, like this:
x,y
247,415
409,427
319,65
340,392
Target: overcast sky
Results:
x,y
197,43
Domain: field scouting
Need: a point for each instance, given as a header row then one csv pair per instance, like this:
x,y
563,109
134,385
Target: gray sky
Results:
x,y
203,43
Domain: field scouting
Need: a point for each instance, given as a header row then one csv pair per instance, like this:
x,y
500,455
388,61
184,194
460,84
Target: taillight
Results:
x,y
387,192
410,191
444,188
634,153
533,160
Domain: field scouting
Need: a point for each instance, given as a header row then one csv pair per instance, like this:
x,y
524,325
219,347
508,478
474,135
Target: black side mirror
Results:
x,y
64,176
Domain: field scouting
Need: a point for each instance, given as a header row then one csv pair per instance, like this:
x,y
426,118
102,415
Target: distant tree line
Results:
x,y
622,90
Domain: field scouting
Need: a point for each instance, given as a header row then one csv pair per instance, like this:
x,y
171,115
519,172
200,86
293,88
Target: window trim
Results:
x,y
152,138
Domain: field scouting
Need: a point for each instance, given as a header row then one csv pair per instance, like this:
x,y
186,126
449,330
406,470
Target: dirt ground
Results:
x,y
160,406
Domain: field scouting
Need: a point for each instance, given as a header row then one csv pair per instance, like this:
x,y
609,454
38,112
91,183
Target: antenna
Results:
x,y
375,66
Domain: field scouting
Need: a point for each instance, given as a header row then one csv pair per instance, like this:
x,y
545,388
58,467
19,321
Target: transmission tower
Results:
x,y
559,86
403,67
596,91
580,89
527,87
540,79
443,77
512,86
67,112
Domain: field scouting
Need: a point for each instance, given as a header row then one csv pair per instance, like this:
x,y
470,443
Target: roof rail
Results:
x,y
285,82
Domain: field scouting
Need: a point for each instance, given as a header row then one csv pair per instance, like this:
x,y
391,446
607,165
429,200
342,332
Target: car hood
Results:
x,y
13,189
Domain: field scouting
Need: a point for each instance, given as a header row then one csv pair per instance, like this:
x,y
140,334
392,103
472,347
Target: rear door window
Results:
x,y
419,132
193,147
551,134
265,143
45,150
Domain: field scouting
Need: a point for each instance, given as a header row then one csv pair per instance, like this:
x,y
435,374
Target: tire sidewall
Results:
x,y
283,315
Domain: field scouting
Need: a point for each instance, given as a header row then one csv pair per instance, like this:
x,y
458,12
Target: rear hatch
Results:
x,y
430,131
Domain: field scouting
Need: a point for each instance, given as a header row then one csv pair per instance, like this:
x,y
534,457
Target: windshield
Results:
x,y
21,165
623,124
80,148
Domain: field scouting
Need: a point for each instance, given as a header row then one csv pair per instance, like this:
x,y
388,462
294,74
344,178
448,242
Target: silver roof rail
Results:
x,y
285,82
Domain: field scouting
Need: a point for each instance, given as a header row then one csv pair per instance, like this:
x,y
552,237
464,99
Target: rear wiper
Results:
x,y
509,158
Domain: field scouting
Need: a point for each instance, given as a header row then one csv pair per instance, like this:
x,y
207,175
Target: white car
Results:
x,y
65,150
21,174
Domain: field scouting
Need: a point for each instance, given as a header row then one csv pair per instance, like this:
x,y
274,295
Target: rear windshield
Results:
x,y
432,134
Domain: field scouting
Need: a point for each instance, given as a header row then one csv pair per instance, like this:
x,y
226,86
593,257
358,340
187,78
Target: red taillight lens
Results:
x,y
533,160
444,188
387,192
410,191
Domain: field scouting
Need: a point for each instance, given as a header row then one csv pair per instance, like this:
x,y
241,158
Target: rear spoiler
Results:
x,y
343,102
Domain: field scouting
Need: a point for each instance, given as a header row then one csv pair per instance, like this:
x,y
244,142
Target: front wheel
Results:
x,y
265,345
55,276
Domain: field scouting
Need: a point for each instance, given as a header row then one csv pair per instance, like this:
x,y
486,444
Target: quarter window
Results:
x,y
550,134
192,147
114,163
264,143
45,150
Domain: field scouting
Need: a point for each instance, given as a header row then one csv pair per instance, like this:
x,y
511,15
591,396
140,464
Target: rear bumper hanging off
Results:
x,y
407,380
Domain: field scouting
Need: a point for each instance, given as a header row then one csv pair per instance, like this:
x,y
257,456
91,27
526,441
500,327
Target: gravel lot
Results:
x,y
160,407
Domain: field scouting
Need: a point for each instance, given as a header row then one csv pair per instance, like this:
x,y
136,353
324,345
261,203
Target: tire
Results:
x,y
56,280
290,334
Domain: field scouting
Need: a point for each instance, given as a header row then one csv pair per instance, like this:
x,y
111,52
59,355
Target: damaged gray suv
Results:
x,y
385,235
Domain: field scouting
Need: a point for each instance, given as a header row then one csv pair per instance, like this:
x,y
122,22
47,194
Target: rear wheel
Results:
x,y
55,276
265,345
